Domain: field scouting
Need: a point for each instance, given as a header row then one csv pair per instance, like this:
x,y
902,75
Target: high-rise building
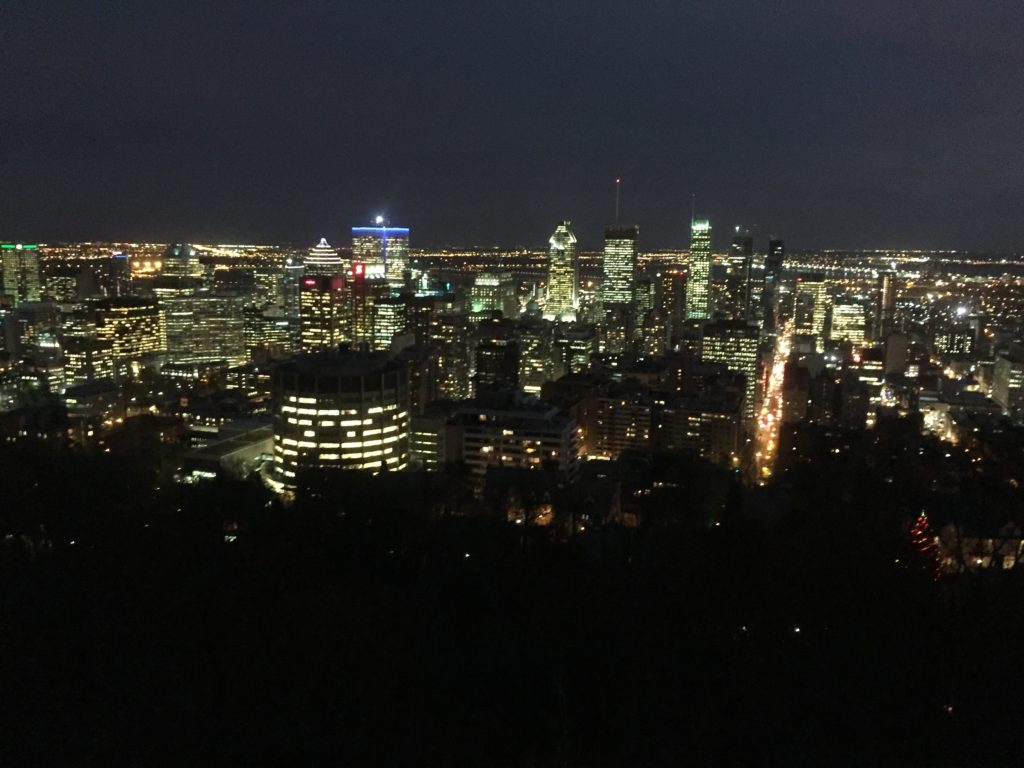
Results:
x,y
812,309
21,271
885,318
736,300
494,292
563,274
956,340
324,260
181,260
383,249
736,345
389,320
134,329
698,281
537,363
772,275
618,265
204,325
672,301
1008,381
87,360
321,308
338,410
495,356
848,321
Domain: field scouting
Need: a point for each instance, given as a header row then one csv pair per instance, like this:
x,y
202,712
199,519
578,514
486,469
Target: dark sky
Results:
x,y
846,124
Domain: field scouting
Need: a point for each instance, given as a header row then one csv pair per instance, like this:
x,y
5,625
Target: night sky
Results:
x,y
832,124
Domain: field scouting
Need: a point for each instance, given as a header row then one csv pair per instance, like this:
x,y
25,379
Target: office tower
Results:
x,y
1008,381
563,274
495,356
21,272
897,349
652,339
450,333
574,346
848,323
735,303
617,330
201,325
269,333
384,250
87,360
736,345
389,320
181,260
618,265
494,292
812,308
773,264
291,285
135,330
60,283
361,297
671,301
338,410
698,282
885,317
644,298
955,340
537,363
323,260
321,312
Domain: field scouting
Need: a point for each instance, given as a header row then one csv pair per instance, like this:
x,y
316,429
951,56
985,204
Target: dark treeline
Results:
x,y
364,627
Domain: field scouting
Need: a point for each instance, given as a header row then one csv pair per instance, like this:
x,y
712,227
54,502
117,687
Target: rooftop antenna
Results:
x,y
693,208
618,183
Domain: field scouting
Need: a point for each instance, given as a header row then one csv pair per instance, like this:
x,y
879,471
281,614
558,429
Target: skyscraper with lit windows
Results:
x,y
736,344
324,260
383,249
338,410
21,272
618,265
698,281
563,274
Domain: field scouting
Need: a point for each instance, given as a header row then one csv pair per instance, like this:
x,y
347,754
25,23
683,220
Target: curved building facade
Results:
x,y
340,410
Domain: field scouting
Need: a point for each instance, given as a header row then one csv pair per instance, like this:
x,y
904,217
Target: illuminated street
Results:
x,y
766,441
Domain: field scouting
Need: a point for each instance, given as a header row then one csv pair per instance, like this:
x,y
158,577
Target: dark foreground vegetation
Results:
x,y
209,625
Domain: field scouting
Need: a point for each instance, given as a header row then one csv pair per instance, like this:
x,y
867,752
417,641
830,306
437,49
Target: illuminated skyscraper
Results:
x,y
339,410
848,323
134,329
563,274
324,260
813,300
698,281
383,249
619,265
736,344
21,272
181,260
885,320
738,281
772,275
494,292
321,307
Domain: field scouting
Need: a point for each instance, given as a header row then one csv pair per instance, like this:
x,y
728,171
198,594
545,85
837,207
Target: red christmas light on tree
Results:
x,y
923,540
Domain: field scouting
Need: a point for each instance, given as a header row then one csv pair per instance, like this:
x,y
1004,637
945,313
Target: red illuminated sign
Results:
x,y
309,281
358,269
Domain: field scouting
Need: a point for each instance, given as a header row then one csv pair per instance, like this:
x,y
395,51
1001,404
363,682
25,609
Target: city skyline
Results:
x,y
860,125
